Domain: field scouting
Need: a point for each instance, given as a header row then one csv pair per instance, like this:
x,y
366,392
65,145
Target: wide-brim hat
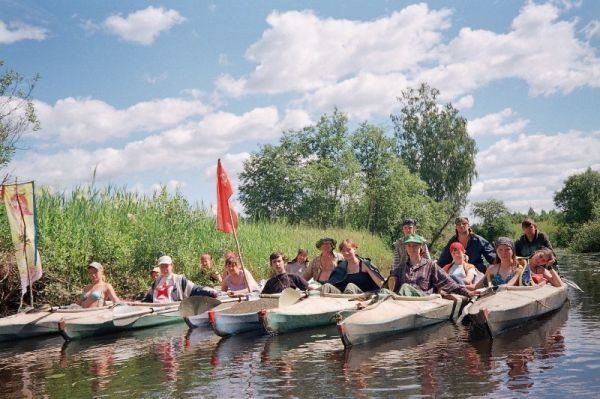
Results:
x,y
325,239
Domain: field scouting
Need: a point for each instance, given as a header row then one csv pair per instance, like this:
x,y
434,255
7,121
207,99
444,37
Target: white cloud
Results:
x,y
540,49
84,120
143,26
464,102
154,79
301,51
526,171
17,31
186,146
592,29
497,124
361,67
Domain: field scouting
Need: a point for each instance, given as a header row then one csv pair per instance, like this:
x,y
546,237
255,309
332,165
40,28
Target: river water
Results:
x,y
554,357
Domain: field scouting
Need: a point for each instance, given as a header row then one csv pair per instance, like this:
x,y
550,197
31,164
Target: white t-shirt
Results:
x,y
163,289
457,272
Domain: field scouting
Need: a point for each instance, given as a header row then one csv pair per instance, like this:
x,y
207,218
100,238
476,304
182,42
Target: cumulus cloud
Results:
x,y
526,171
361,67
143,26
301,51
17,31
499,123
540,49
85,120
185,146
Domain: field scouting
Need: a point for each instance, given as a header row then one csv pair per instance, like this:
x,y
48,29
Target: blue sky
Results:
x,y
152,93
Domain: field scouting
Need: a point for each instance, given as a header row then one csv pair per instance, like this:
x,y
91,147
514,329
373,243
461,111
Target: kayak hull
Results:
x,y
120,318
40,323
241,317
510,307
396,315
314,311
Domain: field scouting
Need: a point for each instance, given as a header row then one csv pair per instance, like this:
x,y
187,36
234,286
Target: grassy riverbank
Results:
x,y
127,232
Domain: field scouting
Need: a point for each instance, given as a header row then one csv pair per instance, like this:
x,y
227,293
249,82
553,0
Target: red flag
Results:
x,y
226,216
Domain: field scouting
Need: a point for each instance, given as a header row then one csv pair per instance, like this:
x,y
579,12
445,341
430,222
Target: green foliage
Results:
x,y
127,232
587,237
577,197
17,113
325,175
495,219
434,143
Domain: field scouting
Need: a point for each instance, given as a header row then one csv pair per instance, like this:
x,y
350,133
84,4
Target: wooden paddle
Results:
x,y
290,296
571,284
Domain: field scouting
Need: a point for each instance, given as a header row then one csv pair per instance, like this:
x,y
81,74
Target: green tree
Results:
x,y
17,112
434,143
270,187
495,219
578,196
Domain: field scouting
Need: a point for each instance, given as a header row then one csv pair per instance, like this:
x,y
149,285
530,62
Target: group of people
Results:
x,y
460,269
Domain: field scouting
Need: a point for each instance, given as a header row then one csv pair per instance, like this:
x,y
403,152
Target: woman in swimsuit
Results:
x,y
505,270
96,293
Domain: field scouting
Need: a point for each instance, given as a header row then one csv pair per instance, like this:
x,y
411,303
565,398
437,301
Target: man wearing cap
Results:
x,y
171,287
419,276
531,240
476,247
400,255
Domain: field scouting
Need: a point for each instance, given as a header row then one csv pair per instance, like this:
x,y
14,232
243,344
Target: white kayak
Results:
x,y
511,306
201,319
241,317
395,314
41,322
126,316
313,311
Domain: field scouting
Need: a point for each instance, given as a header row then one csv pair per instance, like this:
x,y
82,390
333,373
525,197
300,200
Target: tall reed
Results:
x,y
127,232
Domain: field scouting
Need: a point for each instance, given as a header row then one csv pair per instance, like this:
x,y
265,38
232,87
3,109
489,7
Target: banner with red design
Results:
x,y
20,209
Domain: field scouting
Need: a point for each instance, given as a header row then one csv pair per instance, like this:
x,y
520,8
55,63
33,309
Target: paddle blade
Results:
x,y
289,296
571,284
195,305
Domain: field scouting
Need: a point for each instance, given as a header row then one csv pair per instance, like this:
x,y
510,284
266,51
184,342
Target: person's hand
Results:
x,y
230,294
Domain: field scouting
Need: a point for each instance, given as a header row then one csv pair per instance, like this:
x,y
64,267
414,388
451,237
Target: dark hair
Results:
x,y
231,260
528,222
300,251
276,255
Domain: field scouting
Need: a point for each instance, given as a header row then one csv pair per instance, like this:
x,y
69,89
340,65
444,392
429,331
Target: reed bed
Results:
x,y
127,232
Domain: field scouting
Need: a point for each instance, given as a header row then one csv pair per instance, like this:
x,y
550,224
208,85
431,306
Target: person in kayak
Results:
x,y
354,274
207,266
476,247
299,264
234,282
321,266
506,269
282,280
541,265
419,276
400,255
531,240
171,287
460,269
98,291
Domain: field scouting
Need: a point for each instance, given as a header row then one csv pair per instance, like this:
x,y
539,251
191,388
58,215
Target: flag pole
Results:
x,y
237,243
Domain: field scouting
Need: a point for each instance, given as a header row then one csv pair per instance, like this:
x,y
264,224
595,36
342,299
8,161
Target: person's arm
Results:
x,y
110,292
269,287
308,273
487,250
443,282
470,276
553,277
445,256
301,283
396,261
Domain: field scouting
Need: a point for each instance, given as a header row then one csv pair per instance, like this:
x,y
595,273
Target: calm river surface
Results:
x,y
556,357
